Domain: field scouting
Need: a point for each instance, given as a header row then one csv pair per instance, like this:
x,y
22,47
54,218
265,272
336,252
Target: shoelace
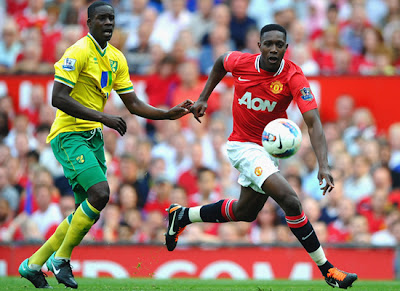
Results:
x,y
336,274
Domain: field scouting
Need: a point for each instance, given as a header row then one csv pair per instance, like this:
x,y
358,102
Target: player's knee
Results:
x,y
103,198
99,195
292,206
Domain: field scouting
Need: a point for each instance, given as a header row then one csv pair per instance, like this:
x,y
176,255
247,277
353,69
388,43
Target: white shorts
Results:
x,y
253,162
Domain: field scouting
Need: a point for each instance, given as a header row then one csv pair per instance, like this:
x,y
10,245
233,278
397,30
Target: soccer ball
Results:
x,y
281,138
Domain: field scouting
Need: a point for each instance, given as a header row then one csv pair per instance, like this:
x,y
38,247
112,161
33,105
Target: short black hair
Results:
x,y
271,27
92,7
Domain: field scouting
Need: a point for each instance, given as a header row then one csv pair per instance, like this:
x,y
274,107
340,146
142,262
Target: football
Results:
x,y
281,138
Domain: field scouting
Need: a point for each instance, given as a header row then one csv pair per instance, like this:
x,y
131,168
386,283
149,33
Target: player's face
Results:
x,y
273,47
101,26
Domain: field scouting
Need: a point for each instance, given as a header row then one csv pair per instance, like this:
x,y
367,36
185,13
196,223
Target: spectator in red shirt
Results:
x,y
209,189
374,208
339,230
37,99
191,85
51,34
30,60
16,6
20,228
161,85
326,49
159,195
34,15
6,217
188,179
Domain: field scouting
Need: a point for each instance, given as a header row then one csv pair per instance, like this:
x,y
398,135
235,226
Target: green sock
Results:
x,y
81,223
50,246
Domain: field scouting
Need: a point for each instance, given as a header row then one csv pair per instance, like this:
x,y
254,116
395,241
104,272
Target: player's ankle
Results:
x,y
183,217
325,268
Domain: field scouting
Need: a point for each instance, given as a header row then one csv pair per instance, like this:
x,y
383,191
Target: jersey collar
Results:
x,y
101,51
257,65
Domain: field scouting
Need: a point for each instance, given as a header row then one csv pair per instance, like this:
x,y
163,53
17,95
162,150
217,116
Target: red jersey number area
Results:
x,y
262,96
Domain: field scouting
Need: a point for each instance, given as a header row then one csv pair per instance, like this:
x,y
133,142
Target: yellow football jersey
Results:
x,y
92,72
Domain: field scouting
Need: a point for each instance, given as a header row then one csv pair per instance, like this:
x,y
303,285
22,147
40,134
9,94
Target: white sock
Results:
x,y
194,214
318,256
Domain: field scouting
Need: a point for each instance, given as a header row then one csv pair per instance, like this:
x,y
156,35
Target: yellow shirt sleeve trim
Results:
x,y
64,80
125,90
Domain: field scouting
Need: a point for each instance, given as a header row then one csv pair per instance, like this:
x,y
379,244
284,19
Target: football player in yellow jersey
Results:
x,y
84,78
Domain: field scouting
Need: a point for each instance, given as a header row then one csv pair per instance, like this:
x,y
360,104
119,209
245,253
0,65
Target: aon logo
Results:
x,y
256,103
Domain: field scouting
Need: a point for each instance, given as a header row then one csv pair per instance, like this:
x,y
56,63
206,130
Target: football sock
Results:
x,y
220,211
304,232
37,260
81,222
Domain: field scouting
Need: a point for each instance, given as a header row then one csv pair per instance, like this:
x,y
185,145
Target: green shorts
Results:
x,y
82,157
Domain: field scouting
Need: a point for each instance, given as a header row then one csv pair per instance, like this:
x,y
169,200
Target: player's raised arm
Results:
x,y
138,107
217,73
318,143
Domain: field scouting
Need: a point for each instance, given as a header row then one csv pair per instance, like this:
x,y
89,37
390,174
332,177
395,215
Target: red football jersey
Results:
x,y
262,96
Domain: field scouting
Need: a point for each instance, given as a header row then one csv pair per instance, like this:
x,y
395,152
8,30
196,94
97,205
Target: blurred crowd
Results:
x,y
156,163
326,37
183,161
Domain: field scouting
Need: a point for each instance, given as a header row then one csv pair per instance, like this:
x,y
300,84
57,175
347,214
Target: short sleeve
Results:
x,y
68,68
301,92
231,59
123,83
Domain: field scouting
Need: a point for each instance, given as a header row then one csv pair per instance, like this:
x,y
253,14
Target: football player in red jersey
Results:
x,y
265,84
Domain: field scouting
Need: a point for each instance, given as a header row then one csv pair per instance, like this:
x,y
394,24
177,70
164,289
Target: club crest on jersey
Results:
x,y
80,159
114,65
69,64
258,171
276,87
306,94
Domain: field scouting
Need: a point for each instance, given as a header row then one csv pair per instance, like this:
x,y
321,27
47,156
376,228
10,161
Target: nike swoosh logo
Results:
x,y
56,271
241,79
280,143
336,284
171,230
307,236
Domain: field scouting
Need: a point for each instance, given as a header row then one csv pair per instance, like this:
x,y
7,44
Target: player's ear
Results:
x,y
88,22
259,44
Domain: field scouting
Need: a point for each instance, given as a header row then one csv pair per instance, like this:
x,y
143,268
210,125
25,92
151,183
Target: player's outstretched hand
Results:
x,y
114,122
324,174
199,109
180,110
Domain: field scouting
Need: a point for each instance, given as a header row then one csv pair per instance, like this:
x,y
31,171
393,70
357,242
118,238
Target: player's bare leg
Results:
x,y
280,190
222,211
247,209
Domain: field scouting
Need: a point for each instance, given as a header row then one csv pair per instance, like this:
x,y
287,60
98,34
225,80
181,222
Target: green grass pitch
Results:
x,y
100,284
